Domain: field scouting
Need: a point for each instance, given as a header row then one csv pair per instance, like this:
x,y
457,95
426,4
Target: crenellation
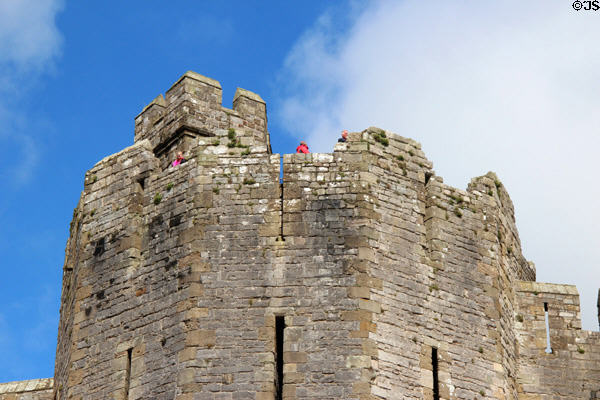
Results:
x,y
150,116
570,368
253,110
192,113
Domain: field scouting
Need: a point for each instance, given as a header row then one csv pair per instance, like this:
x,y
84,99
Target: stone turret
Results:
x,y
360,275
156,253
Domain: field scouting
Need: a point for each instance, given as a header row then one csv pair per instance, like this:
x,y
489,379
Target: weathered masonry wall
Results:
x,y
358,275
162,260
570,367
35,389
327,353
175,276
440,270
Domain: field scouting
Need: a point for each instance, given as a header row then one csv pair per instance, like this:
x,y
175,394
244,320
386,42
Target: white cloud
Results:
x,y
20,146
29,37
505,86
29,44
22,161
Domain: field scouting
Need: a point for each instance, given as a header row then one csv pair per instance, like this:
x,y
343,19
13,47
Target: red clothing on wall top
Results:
x,y
302,149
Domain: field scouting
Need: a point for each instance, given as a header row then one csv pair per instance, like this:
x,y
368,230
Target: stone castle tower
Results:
x,y
358,275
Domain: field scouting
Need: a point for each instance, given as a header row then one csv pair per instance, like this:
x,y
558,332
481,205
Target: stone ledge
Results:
x,y
26,386
200,78
248,94
539,287
145,143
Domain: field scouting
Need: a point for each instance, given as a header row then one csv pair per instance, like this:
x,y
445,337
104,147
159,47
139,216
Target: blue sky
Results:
x,y
506,87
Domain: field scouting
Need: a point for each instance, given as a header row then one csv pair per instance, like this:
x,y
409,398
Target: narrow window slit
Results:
x,y
428,176
434,370
99,247
548,346
279,332
141,184
128,373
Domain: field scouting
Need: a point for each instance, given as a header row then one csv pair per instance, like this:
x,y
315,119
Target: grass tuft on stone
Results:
x,y
381,138
519,318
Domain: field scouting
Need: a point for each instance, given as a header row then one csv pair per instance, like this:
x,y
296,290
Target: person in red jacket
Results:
x,y
303,148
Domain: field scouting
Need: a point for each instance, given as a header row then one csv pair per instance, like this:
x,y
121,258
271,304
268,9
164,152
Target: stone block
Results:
x,y
203,199
294,357
359,292
361,388
186,376
265,396
187,354
369,305
201,338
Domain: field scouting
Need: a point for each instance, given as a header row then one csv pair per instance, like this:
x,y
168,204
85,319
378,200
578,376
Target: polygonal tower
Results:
x,y
359,275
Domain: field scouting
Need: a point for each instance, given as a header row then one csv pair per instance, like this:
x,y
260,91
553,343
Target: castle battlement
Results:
x,y
192,108
358,275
